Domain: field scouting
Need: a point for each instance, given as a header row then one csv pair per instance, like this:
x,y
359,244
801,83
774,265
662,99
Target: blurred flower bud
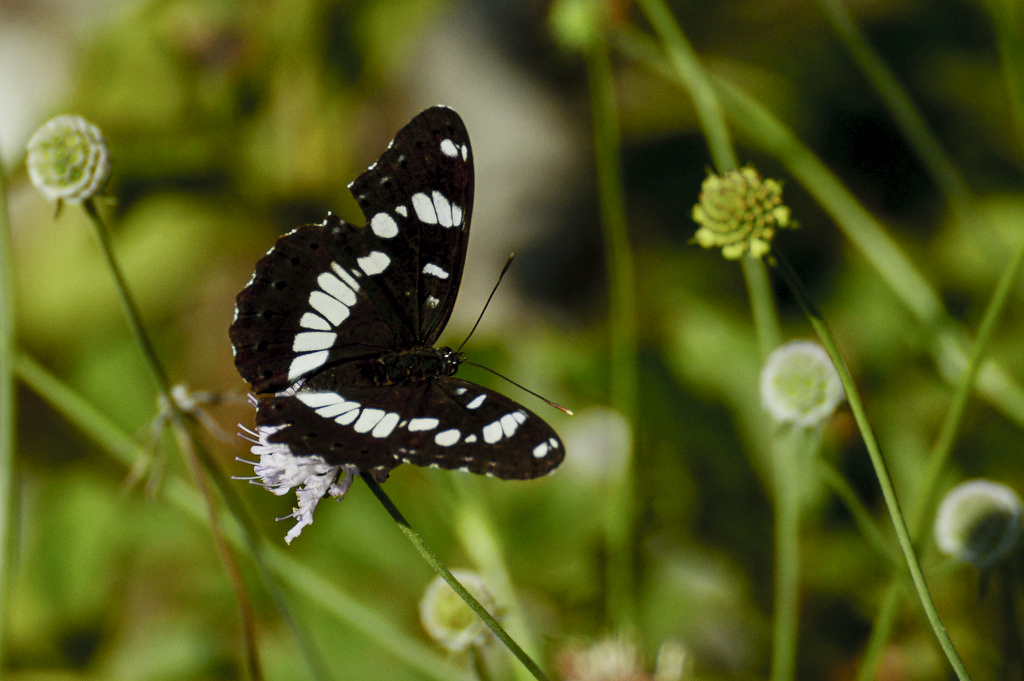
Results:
x,y
978,522
448,619
68,159
799,384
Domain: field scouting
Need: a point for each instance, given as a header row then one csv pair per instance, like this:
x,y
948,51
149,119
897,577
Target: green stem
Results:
x,y
938,458
131,311
8,413
686,66
787,454
446,575
619,509
900,107
178,417
877,461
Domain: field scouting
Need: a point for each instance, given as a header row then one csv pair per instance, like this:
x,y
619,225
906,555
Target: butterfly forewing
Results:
x,y
304,310
338,322
418,199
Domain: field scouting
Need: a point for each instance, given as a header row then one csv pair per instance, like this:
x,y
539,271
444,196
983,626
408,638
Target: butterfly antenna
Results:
x,y
508,263
556,405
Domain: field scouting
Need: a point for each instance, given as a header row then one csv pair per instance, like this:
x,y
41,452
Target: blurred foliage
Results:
x,y
230,123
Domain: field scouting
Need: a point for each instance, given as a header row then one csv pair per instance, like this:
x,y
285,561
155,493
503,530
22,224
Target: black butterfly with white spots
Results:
x,y
336,328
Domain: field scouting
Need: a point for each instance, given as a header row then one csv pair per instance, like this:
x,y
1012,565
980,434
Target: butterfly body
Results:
x,y
336,328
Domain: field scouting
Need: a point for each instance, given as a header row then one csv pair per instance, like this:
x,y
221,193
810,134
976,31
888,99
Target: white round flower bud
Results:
x,y
68,159
978,522
799,384
448,619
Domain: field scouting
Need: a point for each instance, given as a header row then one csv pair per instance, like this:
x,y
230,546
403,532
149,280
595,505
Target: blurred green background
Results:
x,y
230,123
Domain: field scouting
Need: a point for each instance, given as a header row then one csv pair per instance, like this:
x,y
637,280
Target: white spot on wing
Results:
x,y
434,271
446,438
424,208
318,399
308,341
492,432
384,226
476,401
456,215
423,424
510,422
470,439
303,364
342,406
432,301
368,418
375,263
448,148
385,426
314,321
347,418
402,210
330,307
345,276
465,152
337,288
443,208
541,450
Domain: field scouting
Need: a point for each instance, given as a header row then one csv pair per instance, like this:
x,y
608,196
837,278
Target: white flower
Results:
x,y
799,384
448,619
279,470
68,159
978,522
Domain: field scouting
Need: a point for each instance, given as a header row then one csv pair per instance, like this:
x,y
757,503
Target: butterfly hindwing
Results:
x,y
446,422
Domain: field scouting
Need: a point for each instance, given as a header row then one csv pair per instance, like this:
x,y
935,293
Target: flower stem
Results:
x,y
619,511
8,412
186,443
446,575
877,461
792,448
131,311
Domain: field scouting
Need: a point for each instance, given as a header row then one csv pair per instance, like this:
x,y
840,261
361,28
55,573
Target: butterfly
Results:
x,y
336,329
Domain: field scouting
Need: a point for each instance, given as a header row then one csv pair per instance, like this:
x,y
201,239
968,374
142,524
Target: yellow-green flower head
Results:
x,y
739,213
799,384
68,159
978,522
448,619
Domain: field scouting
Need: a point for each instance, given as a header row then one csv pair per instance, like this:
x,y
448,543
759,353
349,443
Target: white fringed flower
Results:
x,y
279,470
799,384
979,522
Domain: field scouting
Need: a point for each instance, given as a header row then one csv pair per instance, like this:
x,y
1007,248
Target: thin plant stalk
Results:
x,y
877,461
177,418
439,567
789,448
620,511
938,458
8,413
900,106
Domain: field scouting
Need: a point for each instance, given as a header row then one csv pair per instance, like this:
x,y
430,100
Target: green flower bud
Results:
x,y
68,159
739,213
978,522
